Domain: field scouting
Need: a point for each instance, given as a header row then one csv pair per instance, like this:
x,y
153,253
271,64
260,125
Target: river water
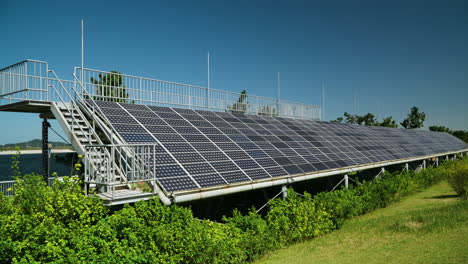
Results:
x,y
62,163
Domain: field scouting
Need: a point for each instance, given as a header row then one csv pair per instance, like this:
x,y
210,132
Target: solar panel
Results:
x,y
199,149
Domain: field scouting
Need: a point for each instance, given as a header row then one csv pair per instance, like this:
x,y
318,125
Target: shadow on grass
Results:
x,y
443,196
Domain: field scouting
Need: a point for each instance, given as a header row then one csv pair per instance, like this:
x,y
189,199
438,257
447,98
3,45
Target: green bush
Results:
x,y
41,224
457,177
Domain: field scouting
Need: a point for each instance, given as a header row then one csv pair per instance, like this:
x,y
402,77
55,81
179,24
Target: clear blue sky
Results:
x,y
395,54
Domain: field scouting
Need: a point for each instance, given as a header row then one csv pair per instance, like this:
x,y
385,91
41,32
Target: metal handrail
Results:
x,y
153,91
123,154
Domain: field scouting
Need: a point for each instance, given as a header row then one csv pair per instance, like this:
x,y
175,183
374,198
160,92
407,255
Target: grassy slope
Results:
x,y
428,227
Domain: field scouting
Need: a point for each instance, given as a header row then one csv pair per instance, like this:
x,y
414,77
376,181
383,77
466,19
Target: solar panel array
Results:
x,y
198,149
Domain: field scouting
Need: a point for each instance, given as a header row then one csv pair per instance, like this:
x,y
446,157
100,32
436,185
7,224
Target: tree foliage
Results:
x,y
365,120
461,134
241,106
110,87
415,119
41,224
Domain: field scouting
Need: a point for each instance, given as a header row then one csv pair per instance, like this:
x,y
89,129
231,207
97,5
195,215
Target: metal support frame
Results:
x,y
45,150
379,175
345,179
406,167
284,190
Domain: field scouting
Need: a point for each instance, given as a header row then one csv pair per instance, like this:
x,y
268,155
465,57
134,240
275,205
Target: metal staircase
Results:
x,y
104,174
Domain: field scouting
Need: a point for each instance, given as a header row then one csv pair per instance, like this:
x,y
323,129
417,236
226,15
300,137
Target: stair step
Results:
x,y
71,120
84,140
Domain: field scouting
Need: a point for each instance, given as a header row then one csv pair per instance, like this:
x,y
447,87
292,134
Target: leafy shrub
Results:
x,y
298,218
457,177
43,224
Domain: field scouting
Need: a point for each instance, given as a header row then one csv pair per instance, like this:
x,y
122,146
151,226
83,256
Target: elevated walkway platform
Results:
x,y
27,106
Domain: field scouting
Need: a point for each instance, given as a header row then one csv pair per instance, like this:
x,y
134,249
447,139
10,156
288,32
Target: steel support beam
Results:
x,y
284,190
346,181
45,150
406,167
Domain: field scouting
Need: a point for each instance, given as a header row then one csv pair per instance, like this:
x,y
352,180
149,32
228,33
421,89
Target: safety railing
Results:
x,y
28,80
7,187
117,87
137,166
25,80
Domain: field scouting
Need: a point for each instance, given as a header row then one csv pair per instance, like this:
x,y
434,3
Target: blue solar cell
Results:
x,y
137,138
292,169
222,166
276,171
199,168
169,171
247,164
235,176
209,180
189,158
256,174
214,156
177,184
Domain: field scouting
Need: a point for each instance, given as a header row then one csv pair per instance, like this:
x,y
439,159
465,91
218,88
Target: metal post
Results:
x,y
45,150
424,164
437,161
208,74
346,181
279,96
406,167
323,101
82,49
284,190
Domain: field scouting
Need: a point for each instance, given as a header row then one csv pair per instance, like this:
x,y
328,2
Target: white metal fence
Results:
x,y
117,87
6,187
25,80
31,80
126,164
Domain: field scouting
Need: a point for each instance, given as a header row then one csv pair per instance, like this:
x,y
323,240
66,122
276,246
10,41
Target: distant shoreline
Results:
x,y
35,151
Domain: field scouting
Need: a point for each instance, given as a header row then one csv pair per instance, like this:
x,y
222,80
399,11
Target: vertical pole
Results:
x,y
45,150
82,49
279,96
284,189
406,167
208,76
437,161
323,101
208,70
424,164
346,181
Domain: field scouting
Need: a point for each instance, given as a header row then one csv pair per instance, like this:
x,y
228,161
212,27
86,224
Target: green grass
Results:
x,y
428,227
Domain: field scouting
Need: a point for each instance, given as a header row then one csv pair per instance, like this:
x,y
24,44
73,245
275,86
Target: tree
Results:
x,y
388,122
440,129
415,119
240,107
366,120
110,87
461,134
